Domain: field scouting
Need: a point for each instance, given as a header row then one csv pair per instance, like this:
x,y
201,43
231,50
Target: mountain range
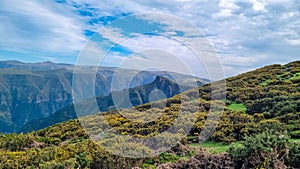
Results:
x,y
31,91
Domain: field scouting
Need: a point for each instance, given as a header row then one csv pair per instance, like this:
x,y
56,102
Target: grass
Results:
x,y
214,147
265,83
293,77
296,140
296,76
237,107
218,147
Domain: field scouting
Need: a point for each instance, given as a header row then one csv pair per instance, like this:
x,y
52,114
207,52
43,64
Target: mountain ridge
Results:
x,y
30,91
137,96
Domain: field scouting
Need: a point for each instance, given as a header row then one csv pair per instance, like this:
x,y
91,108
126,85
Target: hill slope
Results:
x,y
264,99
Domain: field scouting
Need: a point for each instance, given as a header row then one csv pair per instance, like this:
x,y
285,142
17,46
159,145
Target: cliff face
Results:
x,y
34,91
29,96
160,88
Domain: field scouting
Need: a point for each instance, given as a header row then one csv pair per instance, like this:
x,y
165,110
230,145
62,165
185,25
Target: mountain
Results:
x,y
261,108
272,90
160,88
30,91
13,64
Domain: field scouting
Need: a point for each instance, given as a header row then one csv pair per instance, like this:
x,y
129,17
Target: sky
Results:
x,y
234,35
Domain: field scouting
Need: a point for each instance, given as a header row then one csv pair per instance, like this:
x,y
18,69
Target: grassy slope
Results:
x,y
237,107
64,143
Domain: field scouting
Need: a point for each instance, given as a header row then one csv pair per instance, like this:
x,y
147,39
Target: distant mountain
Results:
x,y
160,88
34,66
30,91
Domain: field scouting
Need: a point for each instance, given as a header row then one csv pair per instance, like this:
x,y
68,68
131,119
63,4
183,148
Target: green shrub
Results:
x,y
293,158
266,150
167,157
295,134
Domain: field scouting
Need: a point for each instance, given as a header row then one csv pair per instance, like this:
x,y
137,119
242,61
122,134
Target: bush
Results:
x,y
203,160
293,158
14,142
295,134
266,150
167,157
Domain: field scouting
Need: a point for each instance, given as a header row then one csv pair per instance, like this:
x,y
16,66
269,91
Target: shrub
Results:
x,y
295,134
203,160
293,158
266,150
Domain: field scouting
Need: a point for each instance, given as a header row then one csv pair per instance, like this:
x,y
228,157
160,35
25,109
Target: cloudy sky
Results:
x,y
244,34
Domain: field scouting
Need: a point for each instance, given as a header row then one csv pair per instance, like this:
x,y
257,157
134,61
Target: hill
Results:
x,y
262,104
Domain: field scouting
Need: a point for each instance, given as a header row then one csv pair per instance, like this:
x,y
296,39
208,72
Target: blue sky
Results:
x,y
245,34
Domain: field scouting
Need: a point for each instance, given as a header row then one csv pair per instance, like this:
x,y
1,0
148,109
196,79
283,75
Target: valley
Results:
x,y
32,91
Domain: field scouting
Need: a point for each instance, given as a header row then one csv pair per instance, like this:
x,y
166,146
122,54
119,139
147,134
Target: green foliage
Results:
x,y
177,153
295,134
83,160
232,127
213,147
202,160
237,107
167,157
265,150
277,106
293,158
14,142
162,158
296,76
266,82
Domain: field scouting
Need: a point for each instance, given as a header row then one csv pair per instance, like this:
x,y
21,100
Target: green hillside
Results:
x,y
256,128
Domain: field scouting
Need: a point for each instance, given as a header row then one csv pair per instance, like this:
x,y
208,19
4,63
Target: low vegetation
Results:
x,y
258,128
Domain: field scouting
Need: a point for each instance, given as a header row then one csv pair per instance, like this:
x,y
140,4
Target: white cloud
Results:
x,y
258,5
172,23
92,54
113,34
39,26
176,55
293,41
255,32
267,30
226,8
